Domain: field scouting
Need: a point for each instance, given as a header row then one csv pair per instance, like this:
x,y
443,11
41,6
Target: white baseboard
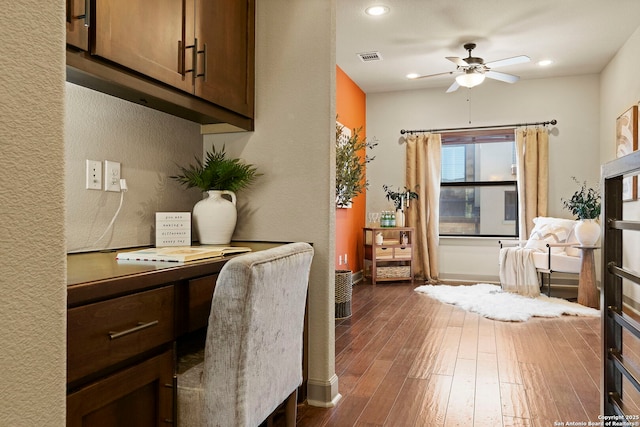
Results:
x,y
323,394
357,277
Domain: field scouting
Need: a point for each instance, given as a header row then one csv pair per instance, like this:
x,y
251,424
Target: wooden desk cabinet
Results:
x,y
122,333
126,323
392,259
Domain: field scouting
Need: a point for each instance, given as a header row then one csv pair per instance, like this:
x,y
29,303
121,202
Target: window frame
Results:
x,y
473,137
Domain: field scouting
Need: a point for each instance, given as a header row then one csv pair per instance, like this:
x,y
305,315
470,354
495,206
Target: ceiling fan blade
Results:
x,y
458,61
503,77
433,75
453,87
508,61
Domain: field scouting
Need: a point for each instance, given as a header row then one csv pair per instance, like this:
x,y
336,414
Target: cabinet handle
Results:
x,y
181,53
194,61
87,13
204,61
141,326
182,49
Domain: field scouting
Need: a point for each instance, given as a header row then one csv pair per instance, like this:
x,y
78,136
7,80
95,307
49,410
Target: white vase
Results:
x,y
399,218
587,232
214,218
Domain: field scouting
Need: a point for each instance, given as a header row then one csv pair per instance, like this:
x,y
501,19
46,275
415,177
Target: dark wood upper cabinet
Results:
x,y
226,62
142,35
204,49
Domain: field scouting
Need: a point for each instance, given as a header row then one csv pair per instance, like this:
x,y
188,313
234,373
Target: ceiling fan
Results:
x,y
473,70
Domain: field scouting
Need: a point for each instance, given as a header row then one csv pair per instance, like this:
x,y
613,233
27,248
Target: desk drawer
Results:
x,y
402,253
108,332
384,253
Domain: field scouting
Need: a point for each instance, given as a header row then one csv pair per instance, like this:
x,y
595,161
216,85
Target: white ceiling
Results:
x,y
580,36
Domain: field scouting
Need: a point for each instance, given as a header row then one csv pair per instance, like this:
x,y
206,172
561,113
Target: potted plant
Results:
x,y
400,199
585,204
350,164
215,217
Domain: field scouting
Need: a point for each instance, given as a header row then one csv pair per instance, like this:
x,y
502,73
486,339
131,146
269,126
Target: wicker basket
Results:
x,y
343,294
401,271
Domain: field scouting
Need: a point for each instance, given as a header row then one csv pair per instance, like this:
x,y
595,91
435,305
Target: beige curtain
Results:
x,y
423,177
532,147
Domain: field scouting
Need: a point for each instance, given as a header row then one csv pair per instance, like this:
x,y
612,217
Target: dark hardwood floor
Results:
x,y
404,359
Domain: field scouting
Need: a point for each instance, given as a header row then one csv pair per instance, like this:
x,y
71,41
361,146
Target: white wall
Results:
x,y
32,283
293,147
619,90
574,144
148,144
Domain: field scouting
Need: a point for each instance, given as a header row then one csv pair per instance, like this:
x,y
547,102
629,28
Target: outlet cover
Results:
x,y
111,176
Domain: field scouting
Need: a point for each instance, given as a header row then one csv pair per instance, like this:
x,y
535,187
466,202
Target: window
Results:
x,y
478,191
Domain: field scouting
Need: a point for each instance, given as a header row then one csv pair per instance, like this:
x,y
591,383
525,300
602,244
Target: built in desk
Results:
x,y
126,323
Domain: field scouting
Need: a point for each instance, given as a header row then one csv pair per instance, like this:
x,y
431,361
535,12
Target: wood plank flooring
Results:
x,y
404,359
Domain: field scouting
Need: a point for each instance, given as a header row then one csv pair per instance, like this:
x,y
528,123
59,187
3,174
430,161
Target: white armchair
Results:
x,y
552,243
253,351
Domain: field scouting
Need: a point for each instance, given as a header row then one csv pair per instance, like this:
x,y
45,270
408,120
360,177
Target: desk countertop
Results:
x,y
85,271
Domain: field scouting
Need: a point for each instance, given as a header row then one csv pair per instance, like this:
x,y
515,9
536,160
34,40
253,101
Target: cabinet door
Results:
x,y
224,30
139,396
78,24
143,35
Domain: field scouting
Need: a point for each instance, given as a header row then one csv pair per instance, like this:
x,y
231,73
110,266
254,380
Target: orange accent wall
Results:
x,y
351,110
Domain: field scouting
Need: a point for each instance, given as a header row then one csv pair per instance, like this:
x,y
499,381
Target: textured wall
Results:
x,y
148,144
32,282
293,146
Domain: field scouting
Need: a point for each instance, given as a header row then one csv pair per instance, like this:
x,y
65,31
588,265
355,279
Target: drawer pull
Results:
x,y
141,326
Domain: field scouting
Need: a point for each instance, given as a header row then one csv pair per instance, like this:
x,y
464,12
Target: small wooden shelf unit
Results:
x,y
393,259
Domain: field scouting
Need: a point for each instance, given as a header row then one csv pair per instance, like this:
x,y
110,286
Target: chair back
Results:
x,y
253,352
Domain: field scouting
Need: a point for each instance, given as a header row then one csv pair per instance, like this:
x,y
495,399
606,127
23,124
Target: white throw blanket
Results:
x,y
518,272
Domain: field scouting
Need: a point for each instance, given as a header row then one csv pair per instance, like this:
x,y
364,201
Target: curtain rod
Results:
x,y
550,122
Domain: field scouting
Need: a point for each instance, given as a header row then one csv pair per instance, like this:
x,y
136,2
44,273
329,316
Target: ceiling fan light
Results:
x,y
470,79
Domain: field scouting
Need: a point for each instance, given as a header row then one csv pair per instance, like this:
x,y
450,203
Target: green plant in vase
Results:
x,y
214,218
585,204
400,198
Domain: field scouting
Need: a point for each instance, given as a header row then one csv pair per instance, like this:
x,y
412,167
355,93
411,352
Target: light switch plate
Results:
x,y
93,180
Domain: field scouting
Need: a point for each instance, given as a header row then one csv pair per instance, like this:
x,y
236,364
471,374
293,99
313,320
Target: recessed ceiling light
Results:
x,y
413,75
376,10
545,62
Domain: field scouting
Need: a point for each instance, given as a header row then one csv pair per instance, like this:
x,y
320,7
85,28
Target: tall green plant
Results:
x,y
351,164
217,172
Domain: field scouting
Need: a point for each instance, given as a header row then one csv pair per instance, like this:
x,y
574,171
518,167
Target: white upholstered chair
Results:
x,y
253,351
551,242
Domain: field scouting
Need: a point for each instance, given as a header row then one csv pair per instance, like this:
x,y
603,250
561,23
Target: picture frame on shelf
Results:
x,y
626,143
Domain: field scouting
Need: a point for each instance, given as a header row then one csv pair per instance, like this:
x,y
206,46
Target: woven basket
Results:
x,y
393,272
343,294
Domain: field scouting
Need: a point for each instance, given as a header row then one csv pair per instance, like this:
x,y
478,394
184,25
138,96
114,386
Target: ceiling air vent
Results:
x,y
370,56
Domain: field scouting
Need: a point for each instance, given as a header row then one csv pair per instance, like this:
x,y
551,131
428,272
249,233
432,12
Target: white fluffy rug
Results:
x,y
489,301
